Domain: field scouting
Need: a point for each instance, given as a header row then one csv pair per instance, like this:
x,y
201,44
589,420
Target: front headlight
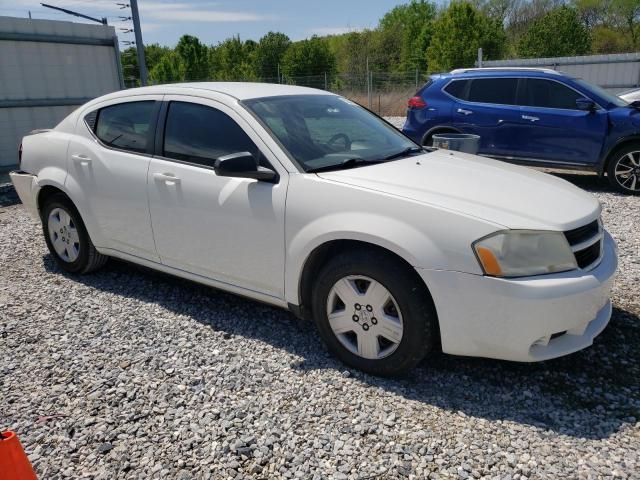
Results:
x,y
520,253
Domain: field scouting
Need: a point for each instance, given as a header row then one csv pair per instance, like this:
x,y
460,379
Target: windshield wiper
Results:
x,y
348,163
404,153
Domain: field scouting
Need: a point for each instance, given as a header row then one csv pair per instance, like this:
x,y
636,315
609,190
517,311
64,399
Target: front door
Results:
x,y
553,128
227,229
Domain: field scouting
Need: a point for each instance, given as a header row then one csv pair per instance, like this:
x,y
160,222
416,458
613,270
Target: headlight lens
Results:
x,y
519,253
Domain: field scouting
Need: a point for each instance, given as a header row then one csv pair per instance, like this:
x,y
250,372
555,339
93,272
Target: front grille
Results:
x,y
580,234
587,256
586,243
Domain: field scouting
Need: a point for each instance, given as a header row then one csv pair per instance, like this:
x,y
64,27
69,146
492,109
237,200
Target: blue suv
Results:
x,y
532,116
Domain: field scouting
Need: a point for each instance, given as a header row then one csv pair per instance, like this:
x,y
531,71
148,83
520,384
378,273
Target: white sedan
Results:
x,y
304,200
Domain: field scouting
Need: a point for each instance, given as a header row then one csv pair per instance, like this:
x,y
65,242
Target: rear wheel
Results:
x,y
374,313
67,237
623,170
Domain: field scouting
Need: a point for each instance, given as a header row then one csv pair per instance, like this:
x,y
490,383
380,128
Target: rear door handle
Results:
x,y
168,178
530,118
464,112
81,159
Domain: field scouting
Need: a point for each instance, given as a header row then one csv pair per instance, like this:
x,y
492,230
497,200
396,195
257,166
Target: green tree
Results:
x,y
411,25
153,53
458,33
626,14
608,40
559,33
271,49
194,57
168,69
308,57
233,59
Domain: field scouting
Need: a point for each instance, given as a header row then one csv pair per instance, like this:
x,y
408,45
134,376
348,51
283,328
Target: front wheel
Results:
x,y
623,170
374,313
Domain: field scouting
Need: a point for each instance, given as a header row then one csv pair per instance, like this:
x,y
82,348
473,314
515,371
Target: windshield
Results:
x,y
325,131
617,101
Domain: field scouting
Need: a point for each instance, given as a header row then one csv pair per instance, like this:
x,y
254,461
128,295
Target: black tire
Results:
x,y
420,324
622,155
89,259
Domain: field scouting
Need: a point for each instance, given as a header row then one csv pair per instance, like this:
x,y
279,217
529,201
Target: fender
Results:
x,y
403,239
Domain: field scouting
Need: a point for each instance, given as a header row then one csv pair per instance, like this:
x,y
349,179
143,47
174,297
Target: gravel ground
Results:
x,y
128,373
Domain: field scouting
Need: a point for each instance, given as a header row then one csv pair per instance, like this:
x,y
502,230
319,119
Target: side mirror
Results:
x,y
586,104
243,165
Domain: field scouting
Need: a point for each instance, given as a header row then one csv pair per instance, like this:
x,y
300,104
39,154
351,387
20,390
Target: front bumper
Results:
x,y
27,187
524,319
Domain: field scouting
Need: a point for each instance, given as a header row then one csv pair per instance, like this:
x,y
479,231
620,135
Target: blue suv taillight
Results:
x,y
416,102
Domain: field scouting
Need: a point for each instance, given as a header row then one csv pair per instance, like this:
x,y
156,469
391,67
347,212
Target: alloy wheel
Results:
x,y
364,317
63,235
627,171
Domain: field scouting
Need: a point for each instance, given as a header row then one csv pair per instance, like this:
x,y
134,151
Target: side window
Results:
x,y
549,94
125,125
199,134
457,89
500,91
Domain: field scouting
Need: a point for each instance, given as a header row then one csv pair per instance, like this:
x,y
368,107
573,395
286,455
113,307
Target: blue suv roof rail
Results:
x,y
502,69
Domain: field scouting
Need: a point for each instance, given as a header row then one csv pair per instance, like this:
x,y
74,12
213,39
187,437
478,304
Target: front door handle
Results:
x,y
168,178
81,159
464,112
530,118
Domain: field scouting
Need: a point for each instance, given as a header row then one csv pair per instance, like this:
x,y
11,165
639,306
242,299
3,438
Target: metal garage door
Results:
x,y
48,68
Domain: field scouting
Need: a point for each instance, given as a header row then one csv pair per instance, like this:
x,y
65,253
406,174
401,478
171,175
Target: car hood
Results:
x,y
504,194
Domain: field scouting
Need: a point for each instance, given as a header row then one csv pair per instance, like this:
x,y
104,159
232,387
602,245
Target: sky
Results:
x,y
164,21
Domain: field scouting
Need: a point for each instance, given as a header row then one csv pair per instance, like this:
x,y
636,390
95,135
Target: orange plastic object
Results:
x,y
14,464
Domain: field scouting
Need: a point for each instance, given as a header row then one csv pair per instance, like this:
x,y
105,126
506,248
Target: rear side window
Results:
x,y
549,94
457,89
124,126
199,134
500,91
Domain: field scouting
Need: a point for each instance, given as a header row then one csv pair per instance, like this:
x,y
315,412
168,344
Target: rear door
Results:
x,y
554,129
487,107
107,173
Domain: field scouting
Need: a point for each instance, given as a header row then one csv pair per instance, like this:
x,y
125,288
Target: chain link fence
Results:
x,y
381,92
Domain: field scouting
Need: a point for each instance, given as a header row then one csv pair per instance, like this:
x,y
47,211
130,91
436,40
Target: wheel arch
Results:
x,y
317,258
47,191
620,144
439,129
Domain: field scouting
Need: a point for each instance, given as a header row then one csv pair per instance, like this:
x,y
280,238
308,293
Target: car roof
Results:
x,y
238,90
501,72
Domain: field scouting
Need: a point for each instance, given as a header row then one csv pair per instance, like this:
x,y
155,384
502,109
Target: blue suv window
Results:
x,y
549,94
500,91
457,88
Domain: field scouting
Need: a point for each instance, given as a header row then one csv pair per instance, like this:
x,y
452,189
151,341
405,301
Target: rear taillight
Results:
x,y
20,155
416,102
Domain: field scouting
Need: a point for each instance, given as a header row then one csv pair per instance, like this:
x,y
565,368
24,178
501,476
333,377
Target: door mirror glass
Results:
x,y
243,165
585,104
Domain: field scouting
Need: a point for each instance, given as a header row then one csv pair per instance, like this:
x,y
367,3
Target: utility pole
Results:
x,y
142,65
